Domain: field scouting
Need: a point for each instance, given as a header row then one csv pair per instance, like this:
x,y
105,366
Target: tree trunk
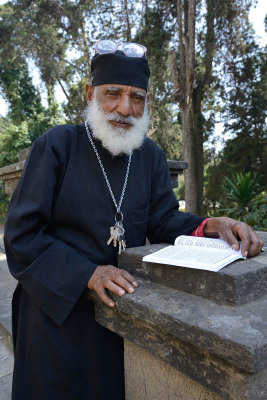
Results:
x,y
189,93
192,142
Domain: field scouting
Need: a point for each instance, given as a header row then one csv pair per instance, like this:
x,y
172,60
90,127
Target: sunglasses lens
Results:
x,y
106,46
133,50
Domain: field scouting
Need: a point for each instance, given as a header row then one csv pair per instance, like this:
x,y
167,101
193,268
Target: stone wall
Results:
x,y
192,334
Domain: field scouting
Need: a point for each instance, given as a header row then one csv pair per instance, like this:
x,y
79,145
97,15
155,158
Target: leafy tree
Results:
x,y
195,49
198,52
23,99
155,33
245,112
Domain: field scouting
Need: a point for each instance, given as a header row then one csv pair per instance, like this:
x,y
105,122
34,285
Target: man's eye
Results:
x,y
113,94
138,98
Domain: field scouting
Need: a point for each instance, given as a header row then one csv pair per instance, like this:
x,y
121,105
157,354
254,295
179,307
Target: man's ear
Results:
x,y
89,90
147,97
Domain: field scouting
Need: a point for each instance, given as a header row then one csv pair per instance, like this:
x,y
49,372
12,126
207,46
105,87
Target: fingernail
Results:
x,y
135,284
111,304
121,291
234,247
131,290
246,254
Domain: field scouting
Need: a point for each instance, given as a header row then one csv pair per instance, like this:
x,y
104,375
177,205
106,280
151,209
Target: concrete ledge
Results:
x,y
177,317
214,374
238,336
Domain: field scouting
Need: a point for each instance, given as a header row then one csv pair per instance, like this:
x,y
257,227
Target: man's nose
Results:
x,y
124,106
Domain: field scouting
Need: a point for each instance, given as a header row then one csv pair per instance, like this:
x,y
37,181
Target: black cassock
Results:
x,y
55,235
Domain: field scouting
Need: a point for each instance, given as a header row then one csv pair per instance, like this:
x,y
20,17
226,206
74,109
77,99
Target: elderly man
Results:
x,y
84,190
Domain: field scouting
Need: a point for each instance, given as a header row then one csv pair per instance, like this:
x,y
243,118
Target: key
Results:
x,y
116,235
112,234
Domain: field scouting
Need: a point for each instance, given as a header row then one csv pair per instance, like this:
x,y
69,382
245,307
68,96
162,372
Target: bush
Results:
x,y
257,217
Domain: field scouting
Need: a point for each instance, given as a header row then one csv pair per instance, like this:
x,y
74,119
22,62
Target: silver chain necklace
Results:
x,y
116,231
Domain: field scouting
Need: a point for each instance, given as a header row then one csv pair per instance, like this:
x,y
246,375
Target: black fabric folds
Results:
x,y
56,231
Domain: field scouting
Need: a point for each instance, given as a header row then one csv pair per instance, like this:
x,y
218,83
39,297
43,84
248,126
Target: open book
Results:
x,y
196,252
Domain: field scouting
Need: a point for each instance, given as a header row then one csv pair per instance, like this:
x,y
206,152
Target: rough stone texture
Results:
x,y
23,154
240,282
6,363
7,287
10,175
5,387
227,380
213,374
148,378
220,347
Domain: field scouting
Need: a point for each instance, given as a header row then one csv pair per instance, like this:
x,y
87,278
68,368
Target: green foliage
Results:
x,y
24,101
58,38
257,216
15,137
246,203
155,33
241,191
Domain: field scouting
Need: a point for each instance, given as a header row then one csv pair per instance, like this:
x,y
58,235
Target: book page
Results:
x,y
194,252
201,242
173,253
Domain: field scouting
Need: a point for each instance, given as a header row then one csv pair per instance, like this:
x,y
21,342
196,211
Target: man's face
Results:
x,y
118,116
121,99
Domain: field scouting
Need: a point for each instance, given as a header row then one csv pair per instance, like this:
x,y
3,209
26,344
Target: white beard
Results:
x,y
116,140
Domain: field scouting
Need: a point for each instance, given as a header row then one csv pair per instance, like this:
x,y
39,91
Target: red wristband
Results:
x,y
199,231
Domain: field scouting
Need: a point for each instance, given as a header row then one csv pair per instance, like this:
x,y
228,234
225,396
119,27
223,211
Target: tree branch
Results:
x,y
181,48
210,43
128,26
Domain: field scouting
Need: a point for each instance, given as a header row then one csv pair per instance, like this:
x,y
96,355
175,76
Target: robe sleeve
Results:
x,y
166,222
53,273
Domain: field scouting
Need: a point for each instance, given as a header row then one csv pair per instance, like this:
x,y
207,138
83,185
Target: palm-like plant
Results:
x,y
241,191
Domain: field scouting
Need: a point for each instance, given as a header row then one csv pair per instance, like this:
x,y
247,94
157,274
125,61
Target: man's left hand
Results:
x,y
232,231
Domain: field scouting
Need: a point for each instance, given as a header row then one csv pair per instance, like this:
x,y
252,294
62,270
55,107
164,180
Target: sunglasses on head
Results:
x,y
130,49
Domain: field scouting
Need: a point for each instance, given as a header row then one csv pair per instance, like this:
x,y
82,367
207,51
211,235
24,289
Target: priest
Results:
x,y
87,191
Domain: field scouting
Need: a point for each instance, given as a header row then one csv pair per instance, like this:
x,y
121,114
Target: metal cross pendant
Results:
x,y
117,233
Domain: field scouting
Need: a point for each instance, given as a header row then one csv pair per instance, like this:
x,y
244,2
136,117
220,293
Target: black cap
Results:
x,y
120,69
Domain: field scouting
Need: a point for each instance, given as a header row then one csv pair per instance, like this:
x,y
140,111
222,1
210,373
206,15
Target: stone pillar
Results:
x,y
176,168
192,334
11,173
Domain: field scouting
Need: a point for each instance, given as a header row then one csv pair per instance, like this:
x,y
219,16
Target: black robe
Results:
x,y
56,231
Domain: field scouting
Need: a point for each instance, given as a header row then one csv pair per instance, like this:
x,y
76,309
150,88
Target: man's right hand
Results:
x,y
114,279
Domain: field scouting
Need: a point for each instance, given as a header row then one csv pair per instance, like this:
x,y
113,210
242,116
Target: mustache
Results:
x,y
120,118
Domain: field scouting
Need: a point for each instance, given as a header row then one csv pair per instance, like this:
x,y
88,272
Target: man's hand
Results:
x,y
232,231
116,280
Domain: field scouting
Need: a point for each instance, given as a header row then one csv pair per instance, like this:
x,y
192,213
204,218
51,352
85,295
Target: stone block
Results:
x,y
208,354
148,378
238,283
177,329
